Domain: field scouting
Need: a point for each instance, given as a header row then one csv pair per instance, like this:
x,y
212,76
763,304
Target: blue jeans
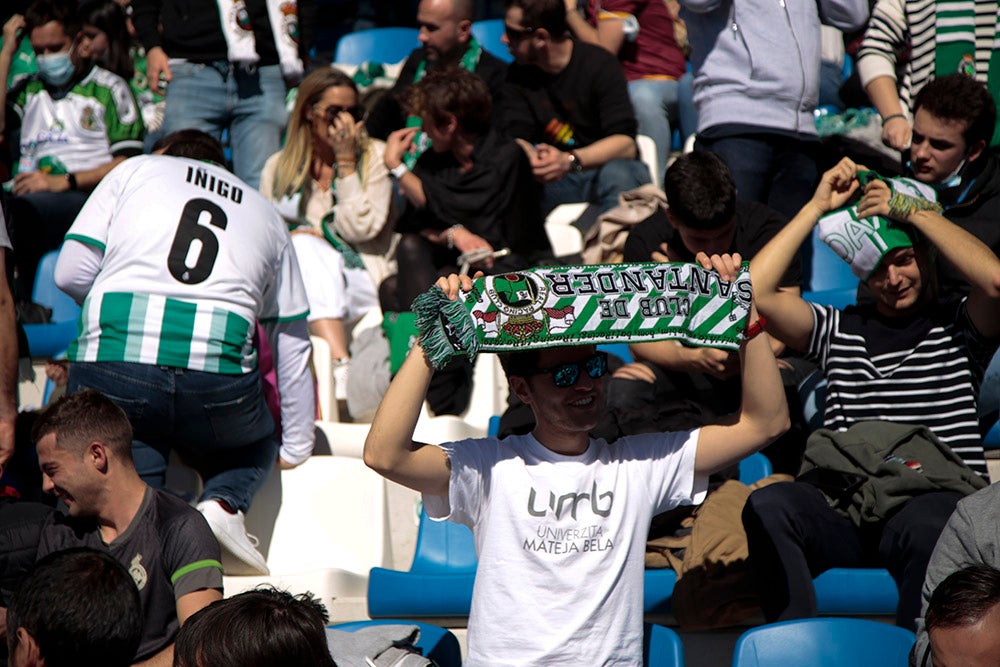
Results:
x,y
598,186
248,100
655,103
685,106
219,424
772,169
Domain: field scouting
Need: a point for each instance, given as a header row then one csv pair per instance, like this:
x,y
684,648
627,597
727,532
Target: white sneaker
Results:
x,y
341,368
230,530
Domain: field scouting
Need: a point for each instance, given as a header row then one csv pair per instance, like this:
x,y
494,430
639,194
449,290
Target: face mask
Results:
x,y
953,180
56,69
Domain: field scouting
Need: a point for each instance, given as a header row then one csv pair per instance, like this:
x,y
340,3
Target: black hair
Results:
x,y
964,597
264,627
193,144
79,418
519,364
700,191
957,97
82,607
41,12
109,17
547,14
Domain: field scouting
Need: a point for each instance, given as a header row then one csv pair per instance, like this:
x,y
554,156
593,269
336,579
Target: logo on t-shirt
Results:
x,y
138,572
88,120
560,133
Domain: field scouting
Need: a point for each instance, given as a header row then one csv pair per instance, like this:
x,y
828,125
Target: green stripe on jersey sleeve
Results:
x,y
191,567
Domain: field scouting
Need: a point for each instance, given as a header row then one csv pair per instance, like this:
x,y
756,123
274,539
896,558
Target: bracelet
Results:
x,y
756,328
71,180
399,170
886,119
450,235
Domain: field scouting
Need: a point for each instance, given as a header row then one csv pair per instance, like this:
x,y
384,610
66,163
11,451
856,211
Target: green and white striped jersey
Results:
x,y
96,120
192,258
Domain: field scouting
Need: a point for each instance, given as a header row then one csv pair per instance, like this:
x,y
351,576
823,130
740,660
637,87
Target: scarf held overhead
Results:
x,y
585,305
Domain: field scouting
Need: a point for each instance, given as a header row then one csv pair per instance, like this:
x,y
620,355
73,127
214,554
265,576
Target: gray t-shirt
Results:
x,y
168,549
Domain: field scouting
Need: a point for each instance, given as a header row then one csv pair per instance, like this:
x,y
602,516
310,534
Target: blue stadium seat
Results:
x,y
488,34
823,269
992,438
378,45
824,642
620,350
51,339
434,642
439,582
856,591
661,647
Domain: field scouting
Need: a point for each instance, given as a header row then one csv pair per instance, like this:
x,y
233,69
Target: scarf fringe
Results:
x,y
445,327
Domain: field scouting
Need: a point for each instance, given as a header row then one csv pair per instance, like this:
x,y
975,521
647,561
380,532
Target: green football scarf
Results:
x,y
955,45
863,242
585,305
421,142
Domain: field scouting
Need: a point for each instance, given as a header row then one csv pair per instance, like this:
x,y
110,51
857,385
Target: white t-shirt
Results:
x,y
560,541
192,256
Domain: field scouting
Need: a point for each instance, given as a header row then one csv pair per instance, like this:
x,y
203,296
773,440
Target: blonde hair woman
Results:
x,y
331,185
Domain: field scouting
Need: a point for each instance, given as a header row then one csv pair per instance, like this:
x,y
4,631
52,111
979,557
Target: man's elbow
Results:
x,y
776,426
374,460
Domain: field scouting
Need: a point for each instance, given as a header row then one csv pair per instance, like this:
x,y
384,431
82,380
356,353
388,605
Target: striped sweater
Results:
x,y
925,370
901,27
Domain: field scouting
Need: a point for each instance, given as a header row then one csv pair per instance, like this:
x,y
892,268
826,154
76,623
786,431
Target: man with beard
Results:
x,y
445,41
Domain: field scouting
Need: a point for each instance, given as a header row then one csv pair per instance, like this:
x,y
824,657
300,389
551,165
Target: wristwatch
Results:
x,y
574,163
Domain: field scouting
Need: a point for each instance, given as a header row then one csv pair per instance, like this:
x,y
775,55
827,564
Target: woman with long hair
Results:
x,y
104,37
331,185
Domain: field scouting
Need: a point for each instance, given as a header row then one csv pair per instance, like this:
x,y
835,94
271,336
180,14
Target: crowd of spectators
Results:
x,y
194,264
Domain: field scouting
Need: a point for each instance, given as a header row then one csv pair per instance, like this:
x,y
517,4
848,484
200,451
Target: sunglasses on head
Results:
x,y
331,112
566,375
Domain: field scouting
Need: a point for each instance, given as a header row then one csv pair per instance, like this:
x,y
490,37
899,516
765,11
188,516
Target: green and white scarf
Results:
x,y
421,142
955,46
863,242
585,305
352,260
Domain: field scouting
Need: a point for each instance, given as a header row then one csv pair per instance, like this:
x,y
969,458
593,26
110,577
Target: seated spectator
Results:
x,y
963,620
900,54
84,450
643,34
468,197
567,102
908,358
259,628
170,308
331,186
756,83
446,40
104,37
670,385
472,192
76,607
77,122
970,538
8,351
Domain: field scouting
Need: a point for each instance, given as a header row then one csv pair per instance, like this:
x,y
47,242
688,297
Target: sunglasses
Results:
x,y
566,375
515,34
331,112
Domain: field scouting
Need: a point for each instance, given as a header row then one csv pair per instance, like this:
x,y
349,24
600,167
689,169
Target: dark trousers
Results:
x,y
794,535
40,221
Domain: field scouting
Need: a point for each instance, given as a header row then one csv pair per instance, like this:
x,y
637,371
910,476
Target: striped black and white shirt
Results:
x,y
925,369
899,42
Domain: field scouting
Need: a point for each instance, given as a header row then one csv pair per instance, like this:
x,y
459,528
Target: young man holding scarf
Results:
x,y
559,518
446,40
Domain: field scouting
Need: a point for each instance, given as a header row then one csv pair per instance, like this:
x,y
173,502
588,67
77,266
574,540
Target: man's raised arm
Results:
x,y
789,318
389,448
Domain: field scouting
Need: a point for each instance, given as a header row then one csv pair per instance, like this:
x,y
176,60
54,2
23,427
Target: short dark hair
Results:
x,y
193,144
957,97
519,364
81,607
264,627
41,12
82,417
700,190
453,91
548,14
963,598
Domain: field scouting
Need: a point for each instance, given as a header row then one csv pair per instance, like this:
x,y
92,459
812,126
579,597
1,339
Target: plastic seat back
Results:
x,y
661,647
378,45
51,339
824,642
443,547
488,34
823,269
